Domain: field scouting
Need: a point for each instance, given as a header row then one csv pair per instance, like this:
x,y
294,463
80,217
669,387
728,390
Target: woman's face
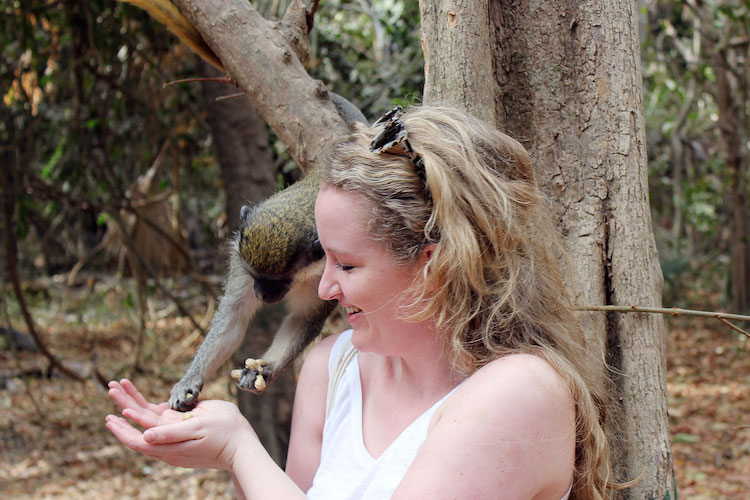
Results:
x,y
361,273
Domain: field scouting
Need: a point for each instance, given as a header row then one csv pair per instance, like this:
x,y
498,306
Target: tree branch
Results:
x,y
672,311
258,56
9,201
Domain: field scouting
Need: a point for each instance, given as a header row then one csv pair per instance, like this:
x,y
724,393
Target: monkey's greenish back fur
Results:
x,y
277,236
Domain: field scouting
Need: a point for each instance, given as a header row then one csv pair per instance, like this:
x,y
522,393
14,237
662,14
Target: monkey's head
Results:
x,y
277,238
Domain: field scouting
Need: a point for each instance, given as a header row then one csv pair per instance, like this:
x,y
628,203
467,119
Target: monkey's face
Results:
x,y
276,241
271,290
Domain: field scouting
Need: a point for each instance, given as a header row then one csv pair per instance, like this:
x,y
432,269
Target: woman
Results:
x,y
469,376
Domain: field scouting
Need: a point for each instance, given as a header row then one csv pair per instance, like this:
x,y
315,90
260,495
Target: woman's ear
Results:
x,y
424,258
427,252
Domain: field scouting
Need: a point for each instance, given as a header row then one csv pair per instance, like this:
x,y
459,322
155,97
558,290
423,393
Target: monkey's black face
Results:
x,y
271,291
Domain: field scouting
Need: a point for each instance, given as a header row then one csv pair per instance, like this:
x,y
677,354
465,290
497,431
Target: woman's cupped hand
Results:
x,y
206,437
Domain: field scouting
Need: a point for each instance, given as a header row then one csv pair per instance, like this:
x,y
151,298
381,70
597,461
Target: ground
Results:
x,y
53,443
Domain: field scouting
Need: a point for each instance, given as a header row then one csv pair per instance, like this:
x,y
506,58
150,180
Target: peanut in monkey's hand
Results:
x,y
260,383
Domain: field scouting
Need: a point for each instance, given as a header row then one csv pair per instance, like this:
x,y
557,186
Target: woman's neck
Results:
x,y
419,370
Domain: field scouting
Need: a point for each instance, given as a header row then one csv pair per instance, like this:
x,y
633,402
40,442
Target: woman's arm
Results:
x,y
508,431
216,435
255,474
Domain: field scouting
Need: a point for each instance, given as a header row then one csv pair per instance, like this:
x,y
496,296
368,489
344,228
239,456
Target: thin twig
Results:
x,y
229,96
734,327
220,79
672,311
9,198
310,15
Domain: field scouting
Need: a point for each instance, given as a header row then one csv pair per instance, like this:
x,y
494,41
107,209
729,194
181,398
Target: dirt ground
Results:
x,y
53,443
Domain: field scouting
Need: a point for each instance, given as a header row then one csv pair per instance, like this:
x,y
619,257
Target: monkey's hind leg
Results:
x,y
298,329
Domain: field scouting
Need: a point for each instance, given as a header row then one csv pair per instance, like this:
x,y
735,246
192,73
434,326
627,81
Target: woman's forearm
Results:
x,y
256,476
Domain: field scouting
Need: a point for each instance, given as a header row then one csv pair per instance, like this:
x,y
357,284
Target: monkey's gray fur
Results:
x,y
275,255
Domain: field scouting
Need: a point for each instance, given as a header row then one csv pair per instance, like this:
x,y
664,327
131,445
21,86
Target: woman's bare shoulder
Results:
x,y
511,426
516,384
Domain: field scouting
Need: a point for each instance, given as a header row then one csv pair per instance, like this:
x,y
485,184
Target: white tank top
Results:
x,y
347,470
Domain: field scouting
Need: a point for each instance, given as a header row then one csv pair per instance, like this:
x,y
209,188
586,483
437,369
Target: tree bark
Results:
x,y
567,82
243,151
456,45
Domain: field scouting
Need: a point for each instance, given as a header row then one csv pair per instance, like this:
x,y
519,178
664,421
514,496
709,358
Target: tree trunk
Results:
x,y
567,84
243,152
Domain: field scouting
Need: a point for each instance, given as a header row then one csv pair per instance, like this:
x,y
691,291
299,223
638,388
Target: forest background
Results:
x,y
117,199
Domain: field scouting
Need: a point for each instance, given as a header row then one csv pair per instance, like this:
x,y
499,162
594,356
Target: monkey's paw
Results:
x,y
254,377
184,395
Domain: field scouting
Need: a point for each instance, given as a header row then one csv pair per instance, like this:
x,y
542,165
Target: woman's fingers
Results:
x,y
118,393
146,442
126,433
143,418
177,432
127,396
136,395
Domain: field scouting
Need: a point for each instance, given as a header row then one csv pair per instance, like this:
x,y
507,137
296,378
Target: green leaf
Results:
x,y
54,159
128,301
102,219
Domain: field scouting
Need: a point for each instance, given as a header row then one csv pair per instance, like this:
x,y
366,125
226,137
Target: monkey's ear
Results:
x,y
245,212
316,250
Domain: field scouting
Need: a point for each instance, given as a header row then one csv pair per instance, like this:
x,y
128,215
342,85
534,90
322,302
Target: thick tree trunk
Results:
x,y
567,83
243,151
455,45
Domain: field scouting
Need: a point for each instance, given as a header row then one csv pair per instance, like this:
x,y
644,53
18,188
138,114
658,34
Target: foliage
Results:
x,y
369,52
84,113
689,175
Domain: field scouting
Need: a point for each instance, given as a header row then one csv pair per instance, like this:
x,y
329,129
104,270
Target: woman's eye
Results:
x,y
342,267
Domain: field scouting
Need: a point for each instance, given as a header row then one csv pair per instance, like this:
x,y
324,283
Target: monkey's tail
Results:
x,y
166,13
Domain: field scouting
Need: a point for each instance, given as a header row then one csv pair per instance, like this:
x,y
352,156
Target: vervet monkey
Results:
x,y
275,255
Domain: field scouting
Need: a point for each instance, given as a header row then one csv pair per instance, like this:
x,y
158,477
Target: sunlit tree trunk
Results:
x,y
567,83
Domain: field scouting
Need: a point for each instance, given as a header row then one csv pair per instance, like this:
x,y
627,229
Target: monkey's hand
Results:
x,y
184,394
254,377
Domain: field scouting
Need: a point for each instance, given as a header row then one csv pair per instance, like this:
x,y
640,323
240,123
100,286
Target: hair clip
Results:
x,y
393,140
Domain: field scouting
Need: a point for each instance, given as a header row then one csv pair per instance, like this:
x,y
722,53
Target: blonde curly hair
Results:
x,y
492,284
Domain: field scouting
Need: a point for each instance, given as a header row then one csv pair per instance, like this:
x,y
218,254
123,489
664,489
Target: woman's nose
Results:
x,y
328,288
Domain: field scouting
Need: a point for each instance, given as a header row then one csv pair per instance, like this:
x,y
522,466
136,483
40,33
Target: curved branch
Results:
x,y
9,201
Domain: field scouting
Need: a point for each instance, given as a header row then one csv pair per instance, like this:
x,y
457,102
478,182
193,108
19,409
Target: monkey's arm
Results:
x,y
228,326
